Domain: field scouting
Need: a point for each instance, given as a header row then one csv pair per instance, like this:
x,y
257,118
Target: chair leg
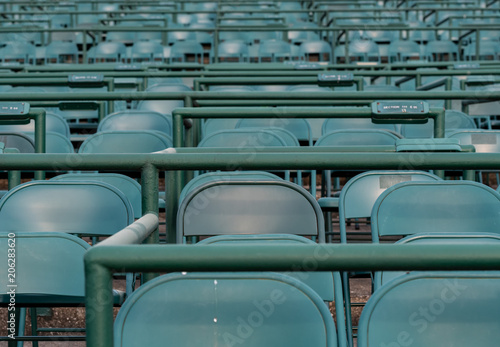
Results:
x,y
20,318
347,305
22,325
130,278
34,325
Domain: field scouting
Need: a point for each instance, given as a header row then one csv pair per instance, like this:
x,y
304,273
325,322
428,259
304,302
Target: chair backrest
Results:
x,y
316,50
136,120
215,124
126,141
488,50
127,185
442,50
249,207
485,141
359,194
236,36
434,308
163,106
61,52
301,37
17,51
471,238
233,51
359,50
146,51
242,138
286,135
181,35
332,124
215,309
186,51
453,120
49,267
226,176
364,50
297,126
358,137
274,51
53,122
420,36
21,141
443,206
107,52
402,51
125,37
321,282
55,142
85,208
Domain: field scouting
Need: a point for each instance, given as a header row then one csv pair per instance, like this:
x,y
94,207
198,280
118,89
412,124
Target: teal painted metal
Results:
x,y
130,187
135,233
228,70
274,159
285,80
82,208
179,115
449,206
254,212
382,277
254,70
38,115
258,96
149,182
187,159
201,309
394,315
100,262
59,81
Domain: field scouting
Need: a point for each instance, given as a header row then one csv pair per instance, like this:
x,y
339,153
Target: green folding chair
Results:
x,y
49,273
470,238
80,208
356,201
128,186
215,309
136,120
484,141
454,120
442,206
321,282
249,207
126,141
433,309
226,176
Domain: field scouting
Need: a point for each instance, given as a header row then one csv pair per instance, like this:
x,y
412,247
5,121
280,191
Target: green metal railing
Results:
x,y
285,80
335,32
226,69
284,72
101,262
269,159
38,115
182,114
31,81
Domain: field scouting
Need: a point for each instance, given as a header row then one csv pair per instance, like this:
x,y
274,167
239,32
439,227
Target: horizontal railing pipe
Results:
x,y
403,95
135,233
101,262
290,160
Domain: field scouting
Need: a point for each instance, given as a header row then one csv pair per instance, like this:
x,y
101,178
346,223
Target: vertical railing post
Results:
x,y
40,127
98,304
